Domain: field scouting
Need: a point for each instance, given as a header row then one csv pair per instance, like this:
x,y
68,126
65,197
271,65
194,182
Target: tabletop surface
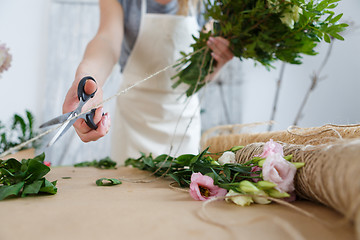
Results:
x,y
154,210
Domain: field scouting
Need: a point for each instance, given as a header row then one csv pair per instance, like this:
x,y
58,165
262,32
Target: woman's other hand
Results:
x,y
220,50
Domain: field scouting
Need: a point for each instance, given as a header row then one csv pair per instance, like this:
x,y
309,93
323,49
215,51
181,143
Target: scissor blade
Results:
x,y
57,120
62,130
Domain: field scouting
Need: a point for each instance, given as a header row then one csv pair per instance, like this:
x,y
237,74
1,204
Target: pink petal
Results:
x,y
197,179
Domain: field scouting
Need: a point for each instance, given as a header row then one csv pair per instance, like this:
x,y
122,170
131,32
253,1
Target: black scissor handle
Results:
x,y
89,119
81,91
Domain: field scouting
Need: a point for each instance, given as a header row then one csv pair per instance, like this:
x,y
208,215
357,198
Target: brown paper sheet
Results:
x,y
82,210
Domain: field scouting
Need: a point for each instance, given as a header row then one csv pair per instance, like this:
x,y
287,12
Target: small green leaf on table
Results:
x,y
108,182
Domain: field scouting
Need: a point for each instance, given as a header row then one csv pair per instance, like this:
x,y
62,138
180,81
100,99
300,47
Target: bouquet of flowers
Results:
x,y
269,175
263,30
5,58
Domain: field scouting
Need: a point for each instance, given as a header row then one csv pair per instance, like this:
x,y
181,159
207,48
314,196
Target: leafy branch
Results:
x,y
263,30
20,130
105,163
181,168
25,178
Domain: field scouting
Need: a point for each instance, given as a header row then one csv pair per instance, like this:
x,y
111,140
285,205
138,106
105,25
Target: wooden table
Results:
x,y
82,210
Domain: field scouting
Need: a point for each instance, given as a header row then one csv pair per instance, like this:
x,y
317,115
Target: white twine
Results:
x,y
21,145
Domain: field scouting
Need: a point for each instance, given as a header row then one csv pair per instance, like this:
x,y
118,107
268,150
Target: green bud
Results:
x,y
261,163
254,160
213,162
236,148
238,199
298,164
248,187
276,194
261,198
265,185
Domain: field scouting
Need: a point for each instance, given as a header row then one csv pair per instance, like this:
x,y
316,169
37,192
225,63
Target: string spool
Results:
x,y
331,175
224,137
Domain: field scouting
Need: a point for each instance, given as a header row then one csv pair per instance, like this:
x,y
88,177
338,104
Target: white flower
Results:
x,y
290,16
227,157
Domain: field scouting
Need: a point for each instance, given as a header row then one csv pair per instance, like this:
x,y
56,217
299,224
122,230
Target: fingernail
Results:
x,y
101,109
105,120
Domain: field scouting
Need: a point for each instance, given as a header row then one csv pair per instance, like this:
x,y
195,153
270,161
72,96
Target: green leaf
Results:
x,y
149,161
40,157
30,118
337,36
337,18
6,173
184,159
36,170
48,187
32,188
198,157
13,164
108,182
13,190
104,163
18,120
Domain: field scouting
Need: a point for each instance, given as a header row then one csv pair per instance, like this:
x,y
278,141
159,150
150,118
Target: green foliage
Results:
x,y
20,130
105,163
182,167
108,182
24,178
263,30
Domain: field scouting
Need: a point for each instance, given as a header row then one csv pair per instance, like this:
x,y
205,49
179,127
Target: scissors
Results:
x,y
89,117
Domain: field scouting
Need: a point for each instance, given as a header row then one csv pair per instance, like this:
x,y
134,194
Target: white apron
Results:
x,y
146,116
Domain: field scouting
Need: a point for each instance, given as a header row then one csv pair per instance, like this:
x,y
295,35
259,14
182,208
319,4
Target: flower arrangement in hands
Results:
x,y
269,175
5,58
263,30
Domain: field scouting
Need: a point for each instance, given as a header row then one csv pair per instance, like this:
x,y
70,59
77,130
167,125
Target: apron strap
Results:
x,y
143,7
192,11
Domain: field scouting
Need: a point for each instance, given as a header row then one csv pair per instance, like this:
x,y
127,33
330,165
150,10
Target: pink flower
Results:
x,y
5,58
202,187
253,174
46,163
272,147
279,171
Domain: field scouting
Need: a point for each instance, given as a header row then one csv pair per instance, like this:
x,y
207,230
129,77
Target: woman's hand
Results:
x,y
103,121
220,50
